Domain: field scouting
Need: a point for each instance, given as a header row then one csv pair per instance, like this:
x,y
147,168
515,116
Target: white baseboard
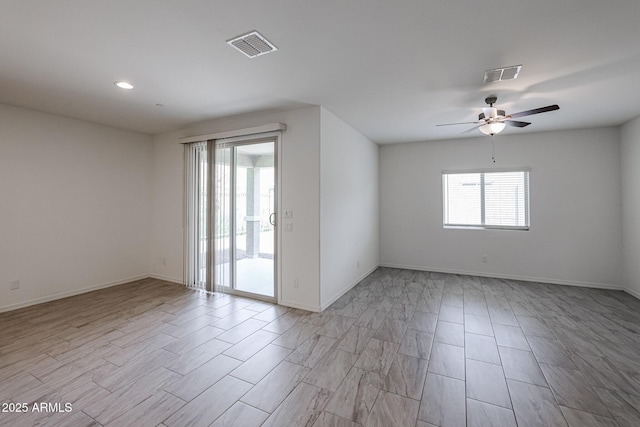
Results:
x,y
326,305
510,277
179,281
632,292
71,293
305,307
321,308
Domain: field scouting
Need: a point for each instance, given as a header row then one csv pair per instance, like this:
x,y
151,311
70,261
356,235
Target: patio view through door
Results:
x,y
244,213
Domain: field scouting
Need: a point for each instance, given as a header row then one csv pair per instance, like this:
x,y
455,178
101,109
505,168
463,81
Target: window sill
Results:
x,y
481,227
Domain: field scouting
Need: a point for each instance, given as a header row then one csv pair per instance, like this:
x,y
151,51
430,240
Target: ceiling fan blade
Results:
x,y
534,111
461,123
471,129
516,123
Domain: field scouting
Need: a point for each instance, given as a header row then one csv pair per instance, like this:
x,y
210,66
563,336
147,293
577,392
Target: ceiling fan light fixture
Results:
x,y
492,128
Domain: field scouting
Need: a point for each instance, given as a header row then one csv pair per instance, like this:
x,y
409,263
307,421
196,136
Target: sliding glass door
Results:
x,y
254,217
230,212
243,217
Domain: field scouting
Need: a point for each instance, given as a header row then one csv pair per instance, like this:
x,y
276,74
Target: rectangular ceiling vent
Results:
x,y
252,44
500,74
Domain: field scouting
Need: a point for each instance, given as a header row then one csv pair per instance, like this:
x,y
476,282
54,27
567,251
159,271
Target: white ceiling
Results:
x,y
391,69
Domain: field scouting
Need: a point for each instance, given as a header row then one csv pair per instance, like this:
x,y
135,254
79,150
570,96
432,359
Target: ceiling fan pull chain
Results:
x,y
493,148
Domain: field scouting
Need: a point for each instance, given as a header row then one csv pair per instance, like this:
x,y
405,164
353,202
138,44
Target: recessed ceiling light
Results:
x,y
124,85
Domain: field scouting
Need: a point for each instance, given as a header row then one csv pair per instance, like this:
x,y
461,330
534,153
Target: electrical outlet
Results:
x,y
14,284
358,264
288,227
163,261
296,283
484,259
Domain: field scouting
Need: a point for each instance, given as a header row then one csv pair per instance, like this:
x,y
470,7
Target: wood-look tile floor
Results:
x,y
403,348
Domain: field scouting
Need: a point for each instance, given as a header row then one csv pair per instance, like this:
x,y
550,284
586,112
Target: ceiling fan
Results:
x,y
492,121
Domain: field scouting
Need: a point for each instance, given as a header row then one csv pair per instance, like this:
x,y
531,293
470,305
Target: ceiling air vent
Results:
x,y
252,44
499,74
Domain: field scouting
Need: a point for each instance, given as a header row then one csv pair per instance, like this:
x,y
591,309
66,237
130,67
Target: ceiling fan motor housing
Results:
x,y
501,113
491,100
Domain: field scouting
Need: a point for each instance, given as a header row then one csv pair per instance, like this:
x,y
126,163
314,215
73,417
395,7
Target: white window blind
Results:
x,y
486,199
196,229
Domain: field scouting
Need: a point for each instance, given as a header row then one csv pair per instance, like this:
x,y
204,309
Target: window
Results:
x,y
486,199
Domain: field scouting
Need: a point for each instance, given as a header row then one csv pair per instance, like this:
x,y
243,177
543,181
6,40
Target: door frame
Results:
x,y
234,142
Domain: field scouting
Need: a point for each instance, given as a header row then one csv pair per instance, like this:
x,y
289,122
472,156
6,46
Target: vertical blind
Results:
x,y
222,209
196,207
207,233
486,199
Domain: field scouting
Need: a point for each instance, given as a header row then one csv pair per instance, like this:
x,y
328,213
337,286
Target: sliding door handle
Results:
x,y
272,219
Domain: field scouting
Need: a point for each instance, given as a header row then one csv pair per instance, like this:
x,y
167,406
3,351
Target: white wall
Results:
x,y
86,206
576,213
299,191
349,223
75,206
166,250
630,158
